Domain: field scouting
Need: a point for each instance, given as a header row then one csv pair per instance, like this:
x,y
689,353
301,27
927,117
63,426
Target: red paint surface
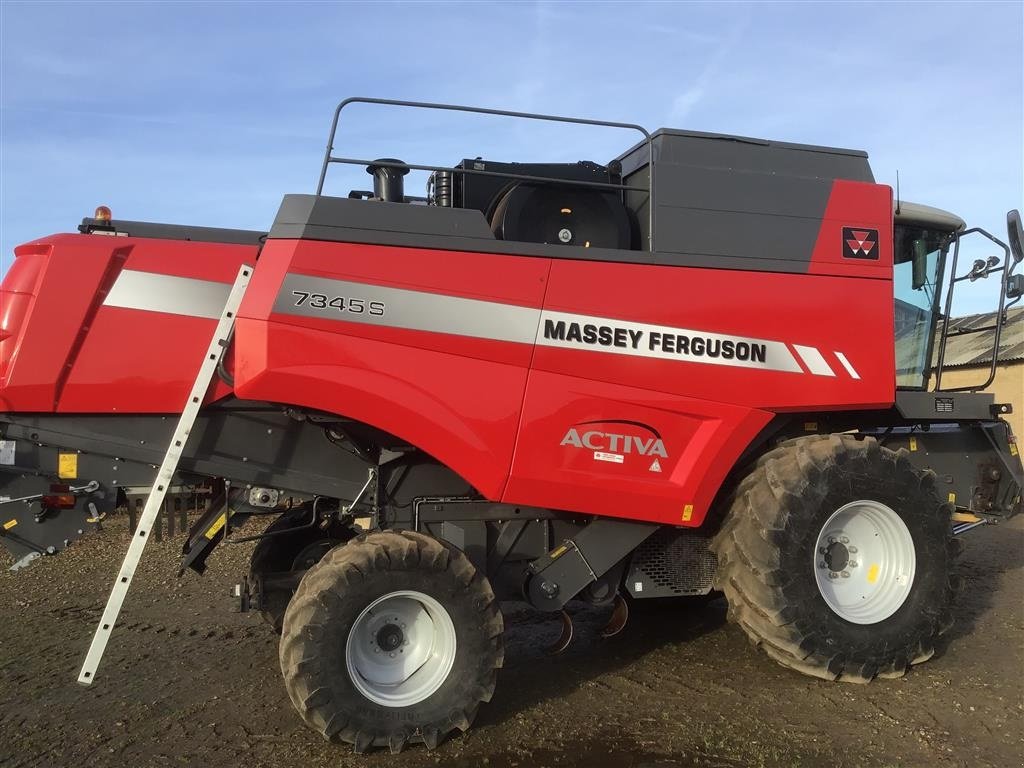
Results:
x,y
496,412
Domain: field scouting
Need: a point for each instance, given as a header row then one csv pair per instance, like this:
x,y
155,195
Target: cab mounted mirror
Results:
x,y
919,265
1015,231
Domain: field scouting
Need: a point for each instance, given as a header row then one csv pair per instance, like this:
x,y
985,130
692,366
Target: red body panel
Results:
x,y
499,410
455,397
592,386
70,351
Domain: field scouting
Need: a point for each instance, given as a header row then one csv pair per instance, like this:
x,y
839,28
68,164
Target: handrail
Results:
x,y
329,158
976,273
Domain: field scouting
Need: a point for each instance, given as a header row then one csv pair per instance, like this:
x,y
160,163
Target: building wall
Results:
x,y
1008,387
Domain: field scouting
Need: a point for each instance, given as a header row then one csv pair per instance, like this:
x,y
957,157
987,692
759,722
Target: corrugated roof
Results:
x,y
967,349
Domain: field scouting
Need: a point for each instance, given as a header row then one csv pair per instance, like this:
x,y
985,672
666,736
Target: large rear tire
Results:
x,y
836,558
392,638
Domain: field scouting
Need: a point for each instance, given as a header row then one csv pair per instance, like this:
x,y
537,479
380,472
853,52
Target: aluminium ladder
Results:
x,y
218,345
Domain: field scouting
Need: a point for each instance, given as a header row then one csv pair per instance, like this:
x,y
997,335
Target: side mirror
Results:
x,y
919,265
1016,235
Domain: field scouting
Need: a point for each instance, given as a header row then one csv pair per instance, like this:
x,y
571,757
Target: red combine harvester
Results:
x,y
700,366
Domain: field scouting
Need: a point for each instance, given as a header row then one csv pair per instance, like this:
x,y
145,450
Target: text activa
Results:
x,y
613,443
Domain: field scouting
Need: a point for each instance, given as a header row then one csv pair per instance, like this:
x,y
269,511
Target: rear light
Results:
x,y
59,497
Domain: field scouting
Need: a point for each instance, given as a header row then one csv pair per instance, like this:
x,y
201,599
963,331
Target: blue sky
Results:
x,y
207,113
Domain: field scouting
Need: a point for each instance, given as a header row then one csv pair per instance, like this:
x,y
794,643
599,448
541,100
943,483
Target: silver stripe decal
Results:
x,y
847,365
413,310
356,302
152,292
662,342
814,360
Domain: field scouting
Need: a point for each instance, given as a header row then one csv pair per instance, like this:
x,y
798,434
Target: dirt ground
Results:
x,y
187,682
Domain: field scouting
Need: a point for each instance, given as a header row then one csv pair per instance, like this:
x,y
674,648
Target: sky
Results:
x,y
208,113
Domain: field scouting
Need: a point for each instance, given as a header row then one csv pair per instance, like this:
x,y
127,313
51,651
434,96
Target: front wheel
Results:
x,y
392,638
836,559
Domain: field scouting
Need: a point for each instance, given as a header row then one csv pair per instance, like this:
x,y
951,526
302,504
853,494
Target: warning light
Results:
x,y
59,498
102,213
567,210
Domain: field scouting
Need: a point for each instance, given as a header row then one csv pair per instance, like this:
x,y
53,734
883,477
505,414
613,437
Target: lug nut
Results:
x,y
822,564
852,550
845,540
852,564
833,575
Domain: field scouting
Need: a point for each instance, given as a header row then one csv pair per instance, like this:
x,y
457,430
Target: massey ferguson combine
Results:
x,y
702,365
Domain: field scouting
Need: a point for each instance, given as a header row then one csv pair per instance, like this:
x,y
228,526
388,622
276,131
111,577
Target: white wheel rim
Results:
x,y
400,649
864,562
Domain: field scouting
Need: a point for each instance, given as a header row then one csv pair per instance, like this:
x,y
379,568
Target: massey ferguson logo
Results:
x,y
860,243
615,446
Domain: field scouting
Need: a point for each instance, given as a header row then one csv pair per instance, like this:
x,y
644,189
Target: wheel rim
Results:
x,y
864,562
400,649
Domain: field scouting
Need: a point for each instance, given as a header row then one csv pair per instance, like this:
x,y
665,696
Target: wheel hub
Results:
x,y
400,648
864,562
390,637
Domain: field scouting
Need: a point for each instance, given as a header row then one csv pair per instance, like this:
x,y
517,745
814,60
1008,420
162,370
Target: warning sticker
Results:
x,y
67,466
7,452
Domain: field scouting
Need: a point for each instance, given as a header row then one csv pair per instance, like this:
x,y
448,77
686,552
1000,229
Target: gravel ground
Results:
x,y
187,682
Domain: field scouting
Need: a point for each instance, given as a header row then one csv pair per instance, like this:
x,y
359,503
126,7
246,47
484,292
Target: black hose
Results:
x,y
222,370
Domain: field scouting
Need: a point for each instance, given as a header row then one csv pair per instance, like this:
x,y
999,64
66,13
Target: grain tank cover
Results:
x,y
730,196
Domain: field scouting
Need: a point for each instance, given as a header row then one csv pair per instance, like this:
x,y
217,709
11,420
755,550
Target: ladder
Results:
x,y
218,344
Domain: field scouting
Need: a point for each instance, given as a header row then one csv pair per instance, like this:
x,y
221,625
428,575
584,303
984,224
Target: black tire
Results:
x,y
766,554
334,593
280,552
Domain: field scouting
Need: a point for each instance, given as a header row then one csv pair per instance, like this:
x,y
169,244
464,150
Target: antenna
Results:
x,y
897,191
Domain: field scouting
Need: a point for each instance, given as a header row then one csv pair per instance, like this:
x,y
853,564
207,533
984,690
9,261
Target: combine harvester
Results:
x,y
670,374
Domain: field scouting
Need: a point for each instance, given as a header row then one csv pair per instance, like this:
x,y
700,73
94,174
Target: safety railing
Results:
x,y
329,157
980,269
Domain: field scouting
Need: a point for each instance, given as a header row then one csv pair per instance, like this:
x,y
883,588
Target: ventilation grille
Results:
x,y
672,562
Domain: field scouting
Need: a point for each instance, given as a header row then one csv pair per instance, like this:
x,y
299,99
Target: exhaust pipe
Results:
x,y
388,184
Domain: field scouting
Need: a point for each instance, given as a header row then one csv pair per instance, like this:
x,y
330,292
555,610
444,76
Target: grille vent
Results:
x,y
672,562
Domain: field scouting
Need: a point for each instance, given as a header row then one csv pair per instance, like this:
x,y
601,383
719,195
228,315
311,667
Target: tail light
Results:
x,y
59,497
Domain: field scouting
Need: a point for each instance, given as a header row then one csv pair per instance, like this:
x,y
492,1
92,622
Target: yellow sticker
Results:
x,y
913,443
1013,449
952,498
810,426
873,573
10,524
67,465
687,513
559,552
217,525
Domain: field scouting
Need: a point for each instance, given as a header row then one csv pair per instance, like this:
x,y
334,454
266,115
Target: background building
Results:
x,y
969,355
